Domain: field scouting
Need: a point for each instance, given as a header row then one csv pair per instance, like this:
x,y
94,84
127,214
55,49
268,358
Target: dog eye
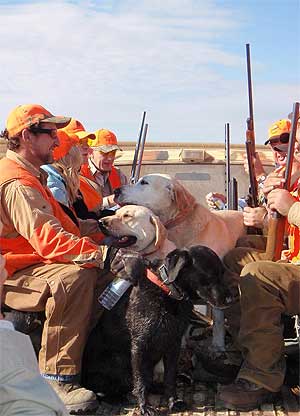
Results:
x,y
143,182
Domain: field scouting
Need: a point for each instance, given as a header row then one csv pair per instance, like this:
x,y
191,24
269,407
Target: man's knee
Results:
x,y
258,269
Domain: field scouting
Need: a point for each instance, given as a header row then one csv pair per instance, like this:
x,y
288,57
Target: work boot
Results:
x,y
77,399
243,395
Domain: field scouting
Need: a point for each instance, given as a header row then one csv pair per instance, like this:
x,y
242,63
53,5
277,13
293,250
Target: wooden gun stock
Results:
x,y
277,223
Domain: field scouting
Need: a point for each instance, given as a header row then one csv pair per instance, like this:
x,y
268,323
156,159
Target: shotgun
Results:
x,y
250,137
140,156
276,224
218,340
137,150
231,183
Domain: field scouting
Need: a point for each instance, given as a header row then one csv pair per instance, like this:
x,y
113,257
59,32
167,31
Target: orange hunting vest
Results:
x,y
92,198
293,254
113,178
17,251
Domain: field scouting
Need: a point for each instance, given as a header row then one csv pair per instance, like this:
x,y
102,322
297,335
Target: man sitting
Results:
x,y
50,266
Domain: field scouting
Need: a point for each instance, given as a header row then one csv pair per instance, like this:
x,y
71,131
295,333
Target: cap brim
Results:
x,y
267,142
106,149
60,122
84,135
281,147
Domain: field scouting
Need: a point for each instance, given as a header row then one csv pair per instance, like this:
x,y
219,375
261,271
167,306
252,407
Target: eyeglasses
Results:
x,y
283,138
39,130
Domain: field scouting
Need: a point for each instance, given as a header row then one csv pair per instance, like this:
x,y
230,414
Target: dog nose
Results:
x,y
117,192
102,224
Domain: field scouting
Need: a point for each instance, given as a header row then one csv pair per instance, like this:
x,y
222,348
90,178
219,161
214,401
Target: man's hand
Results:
x,y
254,217
129,266
280,200
273,180
110,200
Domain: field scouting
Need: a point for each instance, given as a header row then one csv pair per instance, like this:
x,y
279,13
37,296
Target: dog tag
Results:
x,y
163,272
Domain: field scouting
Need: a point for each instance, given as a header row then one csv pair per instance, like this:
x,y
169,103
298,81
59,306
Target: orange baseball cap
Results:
x,y
66,141
24,116
75,127
105,141
279,130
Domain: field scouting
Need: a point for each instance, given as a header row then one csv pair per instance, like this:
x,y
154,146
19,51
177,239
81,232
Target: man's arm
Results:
x,y
33,218
294,214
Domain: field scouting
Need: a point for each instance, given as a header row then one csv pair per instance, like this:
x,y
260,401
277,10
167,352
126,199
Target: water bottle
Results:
x,y
113,292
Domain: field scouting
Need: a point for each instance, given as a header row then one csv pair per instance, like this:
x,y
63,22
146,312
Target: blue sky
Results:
x,y
183,61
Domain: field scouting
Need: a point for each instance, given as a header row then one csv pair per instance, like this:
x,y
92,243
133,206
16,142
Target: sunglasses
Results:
x,y
40,130
283,138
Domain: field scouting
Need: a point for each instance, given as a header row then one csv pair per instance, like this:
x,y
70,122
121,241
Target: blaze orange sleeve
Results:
x,y
33,218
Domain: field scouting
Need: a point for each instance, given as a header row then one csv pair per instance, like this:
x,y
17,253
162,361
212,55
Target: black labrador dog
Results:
x,y
148,323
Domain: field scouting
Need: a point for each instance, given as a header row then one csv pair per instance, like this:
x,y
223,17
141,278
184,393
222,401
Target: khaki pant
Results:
x,y
68,295
264,289
235,260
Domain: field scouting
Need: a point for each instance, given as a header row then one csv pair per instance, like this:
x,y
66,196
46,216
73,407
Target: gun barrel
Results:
x,y
227,159
292,141
137,150
140,158
233,195
250,97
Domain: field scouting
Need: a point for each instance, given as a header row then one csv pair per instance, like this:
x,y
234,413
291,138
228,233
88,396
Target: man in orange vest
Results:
x,y
101,165
18,364
50,266
268,290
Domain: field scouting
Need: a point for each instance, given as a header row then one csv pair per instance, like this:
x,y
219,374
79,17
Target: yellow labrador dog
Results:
x,y
143,229
188,223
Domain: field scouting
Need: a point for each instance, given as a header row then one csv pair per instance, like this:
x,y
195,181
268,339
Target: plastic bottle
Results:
x,y
113,293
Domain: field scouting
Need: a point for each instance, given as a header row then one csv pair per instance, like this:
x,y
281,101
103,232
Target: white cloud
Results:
x,y
105,62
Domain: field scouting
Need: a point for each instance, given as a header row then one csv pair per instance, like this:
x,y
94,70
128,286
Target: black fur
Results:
x,y
147,325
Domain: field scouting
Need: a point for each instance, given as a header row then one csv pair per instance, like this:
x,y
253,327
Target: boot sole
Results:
x,y
82,408
246,407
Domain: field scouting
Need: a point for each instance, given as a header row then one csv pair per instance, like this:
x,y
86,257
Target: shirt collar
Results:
x,y
95,170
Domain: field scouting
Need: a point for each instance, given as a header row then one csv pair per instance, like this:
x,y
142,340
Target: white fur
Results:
x,y
217,230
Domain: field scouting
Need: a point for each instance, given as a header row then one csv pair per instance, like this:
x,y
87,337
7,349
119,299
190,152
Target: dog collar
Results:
x,y
154,279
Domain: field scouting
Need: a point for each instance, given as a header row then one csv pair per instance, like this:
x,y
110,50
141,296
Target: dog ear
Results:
x,y
171,192
177,260
160,231
183,198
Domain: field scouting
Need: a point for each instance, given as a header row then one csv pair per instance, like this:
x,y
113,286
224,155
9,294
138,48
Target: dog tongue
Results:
x,y
119,242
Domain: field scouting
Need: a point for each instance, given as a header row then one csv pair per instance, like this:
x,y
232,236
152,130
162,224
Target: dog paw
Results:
x,y
177,405
149,411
